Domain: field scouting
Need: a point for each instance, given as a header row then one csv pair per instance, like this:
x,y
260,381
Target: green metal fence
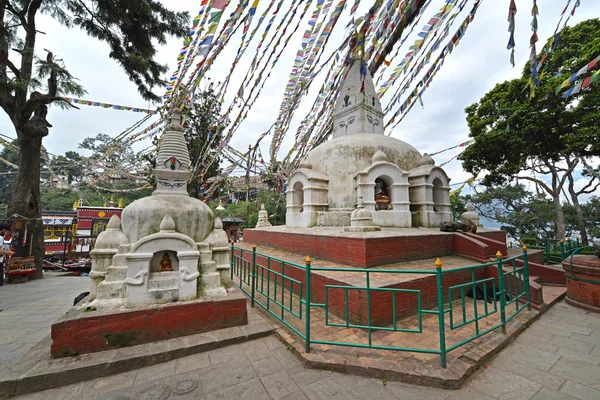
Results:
x,y
555,251
283,289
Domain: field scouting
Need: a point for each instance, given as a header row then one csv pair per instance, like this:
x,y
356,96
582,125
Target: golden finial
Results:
x,y
308,259
438,263
499,254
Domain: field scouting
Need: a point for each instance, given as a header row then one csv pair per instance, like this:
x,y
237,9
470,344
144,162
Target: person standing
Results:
x,y
4,250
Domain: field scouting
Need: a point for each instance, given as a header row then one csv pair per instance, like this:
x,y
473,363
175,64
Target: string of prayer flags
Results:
x,y
575,77
428,77
108,105
463,144
187,49
244,43
534,38
512,11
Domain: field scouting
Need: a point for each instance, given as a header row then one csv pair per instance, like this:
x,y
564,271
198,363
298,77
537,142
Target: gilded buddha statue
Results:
x,y
165,264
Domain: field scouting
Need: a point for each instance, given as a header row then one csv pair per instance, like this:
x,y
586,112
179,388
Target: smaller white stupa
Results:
x,y
263,217
470,215
167,247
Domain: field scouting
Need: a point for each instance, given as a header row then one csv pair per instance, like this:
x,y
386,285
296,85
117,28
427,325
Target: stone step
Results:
x,y
116,274
119,260
111,290
205,256
208,267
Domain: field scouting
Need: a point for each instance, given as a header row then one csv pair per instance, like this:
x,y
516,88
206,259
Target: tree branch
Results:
x,y
4,59
538,182
19,14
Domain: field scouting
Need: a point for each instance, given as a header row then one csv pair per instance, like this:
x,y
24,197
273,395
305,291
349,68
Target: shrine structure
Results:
x,y
159,272
364,199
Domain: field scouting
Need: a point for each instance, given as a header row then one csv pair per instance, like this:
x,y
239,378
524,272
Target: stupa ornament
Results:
x,y
399,187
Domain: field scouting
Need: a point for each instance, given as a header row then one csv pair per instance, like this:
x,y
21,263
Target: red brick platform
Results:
x,y
82,331
369,249
583,281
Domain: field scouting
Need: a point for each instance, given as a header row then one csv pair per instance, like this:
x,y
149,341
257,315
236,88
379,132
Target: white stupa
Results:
x,y
167,247
400,187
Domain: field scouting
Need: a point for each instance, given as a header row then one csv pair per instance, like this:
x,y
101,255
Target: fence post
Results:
x,y
562,249
307,301
253,276
502,292
232,259
440,296
526,276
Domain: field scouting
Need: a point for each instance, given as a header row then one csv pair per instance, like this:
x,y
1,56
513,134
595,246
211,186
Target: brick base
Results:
x,y
86,332
584,292
380,248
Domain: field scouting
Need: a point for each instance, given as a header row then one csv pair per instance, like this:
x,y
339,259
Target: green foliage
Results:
x,y
525,216
512,131
71,165
7,174
203,134
249,211
458,205
131,28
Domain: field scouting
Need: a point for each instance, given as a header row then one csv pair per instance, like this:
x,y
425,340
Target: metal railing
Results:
x,y
292,292
555,250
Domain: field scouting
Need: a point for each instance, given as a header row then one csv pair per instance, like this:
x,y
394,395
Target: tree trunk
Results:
x,y
560,216
579,210
26,202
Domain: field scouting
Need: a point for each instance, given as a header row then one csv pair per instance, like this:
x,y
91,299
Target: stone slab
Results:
x,y
38,371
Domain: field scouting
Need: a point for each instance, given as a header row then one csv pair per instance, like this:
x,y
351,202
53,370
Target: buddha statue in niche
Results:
x,y
381,196
165,264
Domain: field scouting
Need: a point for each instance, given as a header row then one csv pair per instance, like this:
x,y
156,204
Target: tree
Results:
x,y
458,205
519,137
70,165
131,28
522,214
203,134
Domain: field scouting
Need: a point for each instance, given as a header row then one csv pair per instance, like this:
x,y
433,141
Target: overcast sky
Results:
x,y
478,63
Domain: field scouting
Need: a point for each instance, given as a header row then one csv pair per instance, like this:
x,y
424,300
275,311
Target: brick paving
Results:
x,y
558,357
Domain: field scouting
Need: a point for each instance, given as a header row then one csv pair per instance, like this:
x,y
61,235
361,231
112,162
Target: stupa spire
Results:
x,y
357,109
173,165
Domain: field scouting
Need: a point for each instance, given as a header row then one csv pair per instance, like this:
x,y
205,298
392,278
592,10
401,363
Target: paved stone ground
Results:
x,y
558,357
30,308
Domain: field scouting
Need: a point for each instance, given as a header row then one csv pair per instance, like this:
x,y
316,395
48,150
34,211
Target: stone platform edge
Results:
x,y
38,371
451,378
81,331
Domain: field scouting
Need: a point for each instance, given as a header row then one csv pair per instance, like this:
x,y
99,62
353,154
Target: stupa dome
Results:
x,y
340,159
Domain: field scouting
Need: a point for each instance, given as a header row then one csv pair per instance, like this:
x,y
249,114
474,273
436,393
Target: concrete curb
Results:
x,y
39,372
